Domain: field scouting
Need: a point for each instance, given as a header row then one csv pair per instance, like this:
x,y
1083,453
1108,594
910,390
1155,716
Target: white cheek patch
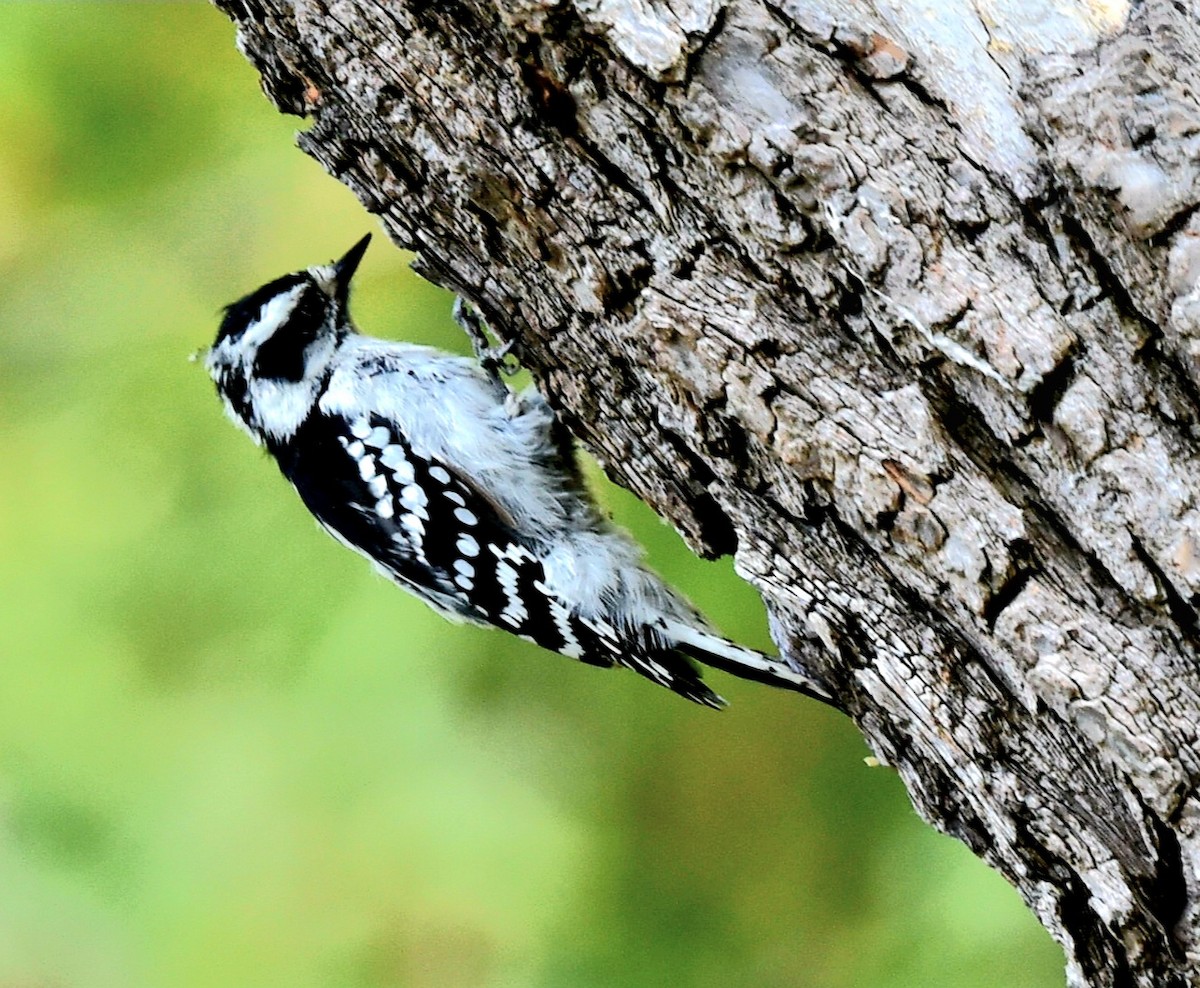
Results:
x,y
281,406
278,406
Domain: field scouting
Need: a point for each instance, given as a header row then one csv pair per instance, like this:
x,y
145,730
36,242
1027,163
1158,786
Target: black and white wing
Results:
x,y
437,535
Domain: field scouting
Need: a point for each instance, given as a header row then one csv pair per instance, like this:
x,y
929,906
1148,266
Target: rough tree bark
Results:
x,y
904,311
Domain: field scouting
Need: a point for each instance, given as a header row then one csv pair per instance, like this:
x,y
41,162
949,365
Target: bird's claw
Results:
x,y
493,359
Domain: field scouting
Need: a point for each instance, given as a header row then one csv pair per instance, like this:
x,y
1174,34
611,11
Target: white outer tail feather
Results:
x,y
703,645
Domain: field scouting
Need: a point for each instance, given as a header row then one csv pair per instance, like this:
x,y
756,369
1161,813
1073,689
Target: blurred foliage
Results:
x,y
230,755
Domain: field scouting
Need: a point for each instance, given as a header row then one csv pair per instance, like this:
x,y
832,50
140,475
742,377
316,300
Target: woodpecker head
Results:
x,y
276,346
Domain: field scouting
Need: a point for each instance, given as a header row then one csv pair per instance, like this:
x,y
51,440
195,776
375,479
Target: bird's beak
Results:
x,y
344,269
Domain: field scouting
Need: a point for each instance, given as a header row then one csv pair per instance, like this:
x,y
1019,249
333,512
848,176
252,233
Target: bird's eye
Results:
x,y
282,355
247,310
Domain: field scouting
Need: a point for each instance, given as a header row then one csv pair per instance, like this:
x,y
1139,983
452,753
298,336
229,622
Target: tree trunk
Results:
x,y
903,312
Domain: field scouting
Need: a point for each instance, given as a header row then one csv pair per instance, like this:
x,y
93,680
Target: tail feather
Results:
x,y
720,653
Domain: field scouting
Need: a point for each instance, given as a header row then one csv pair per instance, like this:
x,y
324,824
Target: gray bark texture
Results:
x,y
898,303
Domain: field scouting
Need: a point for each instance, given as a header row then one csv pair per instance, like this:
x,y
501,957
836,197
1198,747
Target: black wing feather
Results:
x,y
440,537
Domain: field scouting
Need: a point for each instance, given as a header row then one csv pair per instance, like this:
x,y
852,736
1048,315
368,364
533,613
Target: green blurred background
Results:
x,y
230,755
